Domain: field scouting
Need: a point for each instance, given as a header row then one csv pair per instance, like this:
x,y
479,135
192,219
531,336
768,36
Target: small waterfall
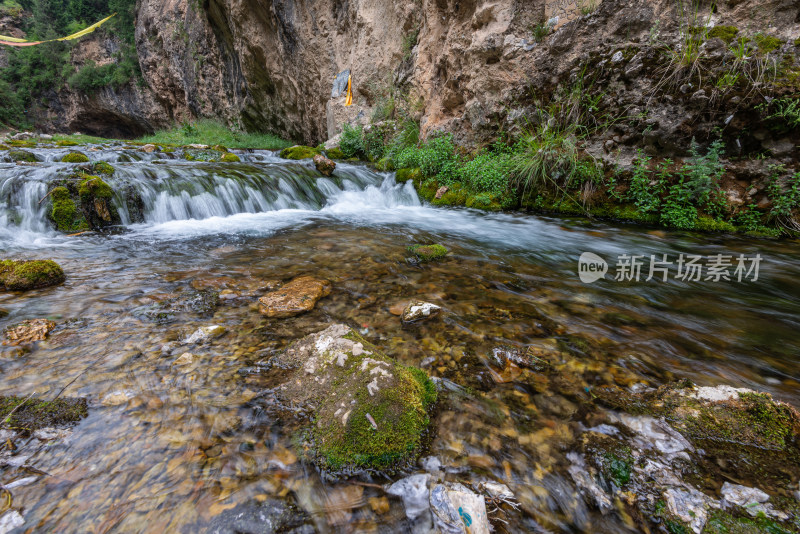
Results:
x,y
154,189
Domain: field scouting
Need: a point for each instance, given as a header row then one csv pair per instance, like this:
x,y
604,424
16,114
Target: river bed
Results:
x,y
171,446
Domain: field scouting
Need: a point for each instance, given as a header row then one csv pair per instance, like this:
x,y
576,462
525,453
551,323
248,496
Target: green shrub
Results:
x,y
210,132
352,142
704,171
679,210
488,172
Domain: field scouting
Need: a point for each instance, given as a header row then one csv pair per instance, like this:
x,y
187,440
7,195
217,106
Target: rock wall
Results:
x,y
560,12
470,67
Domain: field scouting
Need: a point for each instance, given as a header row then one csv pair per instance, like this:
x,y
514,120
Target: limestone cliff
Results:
x,y
471,67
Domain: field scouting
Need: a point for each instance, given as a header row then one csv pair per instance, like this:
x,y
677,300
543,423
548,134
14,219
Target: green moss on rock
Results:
x,y
427,253
230,157
94,187
705,223
36,413
335,153
101,167
370,411
456,195
64,213
726,33
725,522
22,155
384,164
32,274
299,152
404,175
75,157
766,43
484,201
756,436
24,143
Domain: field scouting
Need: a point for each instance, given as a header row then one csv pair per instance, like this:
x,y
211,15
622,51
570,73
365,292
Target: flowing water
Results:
x,y
172,445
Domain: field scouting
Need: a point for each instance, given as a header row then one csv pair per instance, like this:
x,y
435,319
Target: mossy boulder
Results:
x,y
64,213
96,202
33,274
299,152
384,164
21,155
404,175
101,167
369,411
65,142
453,195
335,153
428,253
230,157
75,157
35,413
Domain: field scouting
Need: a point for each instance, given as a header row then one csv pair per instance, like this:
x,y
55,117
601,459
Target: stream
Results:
x,y
174,447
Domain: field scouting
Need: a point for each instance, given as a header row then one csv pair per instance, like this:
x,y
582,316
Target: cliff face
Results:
x,y
471,67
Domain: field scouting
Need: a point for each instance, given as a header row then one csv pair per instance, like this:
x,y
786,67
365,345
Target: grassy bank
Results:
x,y
544,170
209,132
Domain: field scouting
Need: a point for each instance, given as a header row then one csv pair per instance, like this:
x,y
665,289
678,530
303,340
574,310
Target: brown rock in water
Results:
x,y
324,165
28,332
298,296
149,148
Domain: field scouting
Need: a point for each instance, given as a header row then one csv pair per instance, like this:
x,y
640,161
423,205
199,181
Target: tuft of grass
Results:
x,y
540,31
209,132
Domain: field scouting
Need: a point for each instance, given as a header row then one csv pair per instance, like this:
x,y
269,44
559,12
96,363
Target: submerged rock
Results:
x,y
452,507
368,410
28,332
298,296
324,165
672,446
11,520
417,310
428,253
167,310
21,155
205,333
35,413
32,274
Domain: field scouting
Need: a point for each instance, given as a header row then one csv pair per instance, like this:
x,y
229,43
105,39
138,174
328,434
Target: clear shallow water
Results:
x,y
170,447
